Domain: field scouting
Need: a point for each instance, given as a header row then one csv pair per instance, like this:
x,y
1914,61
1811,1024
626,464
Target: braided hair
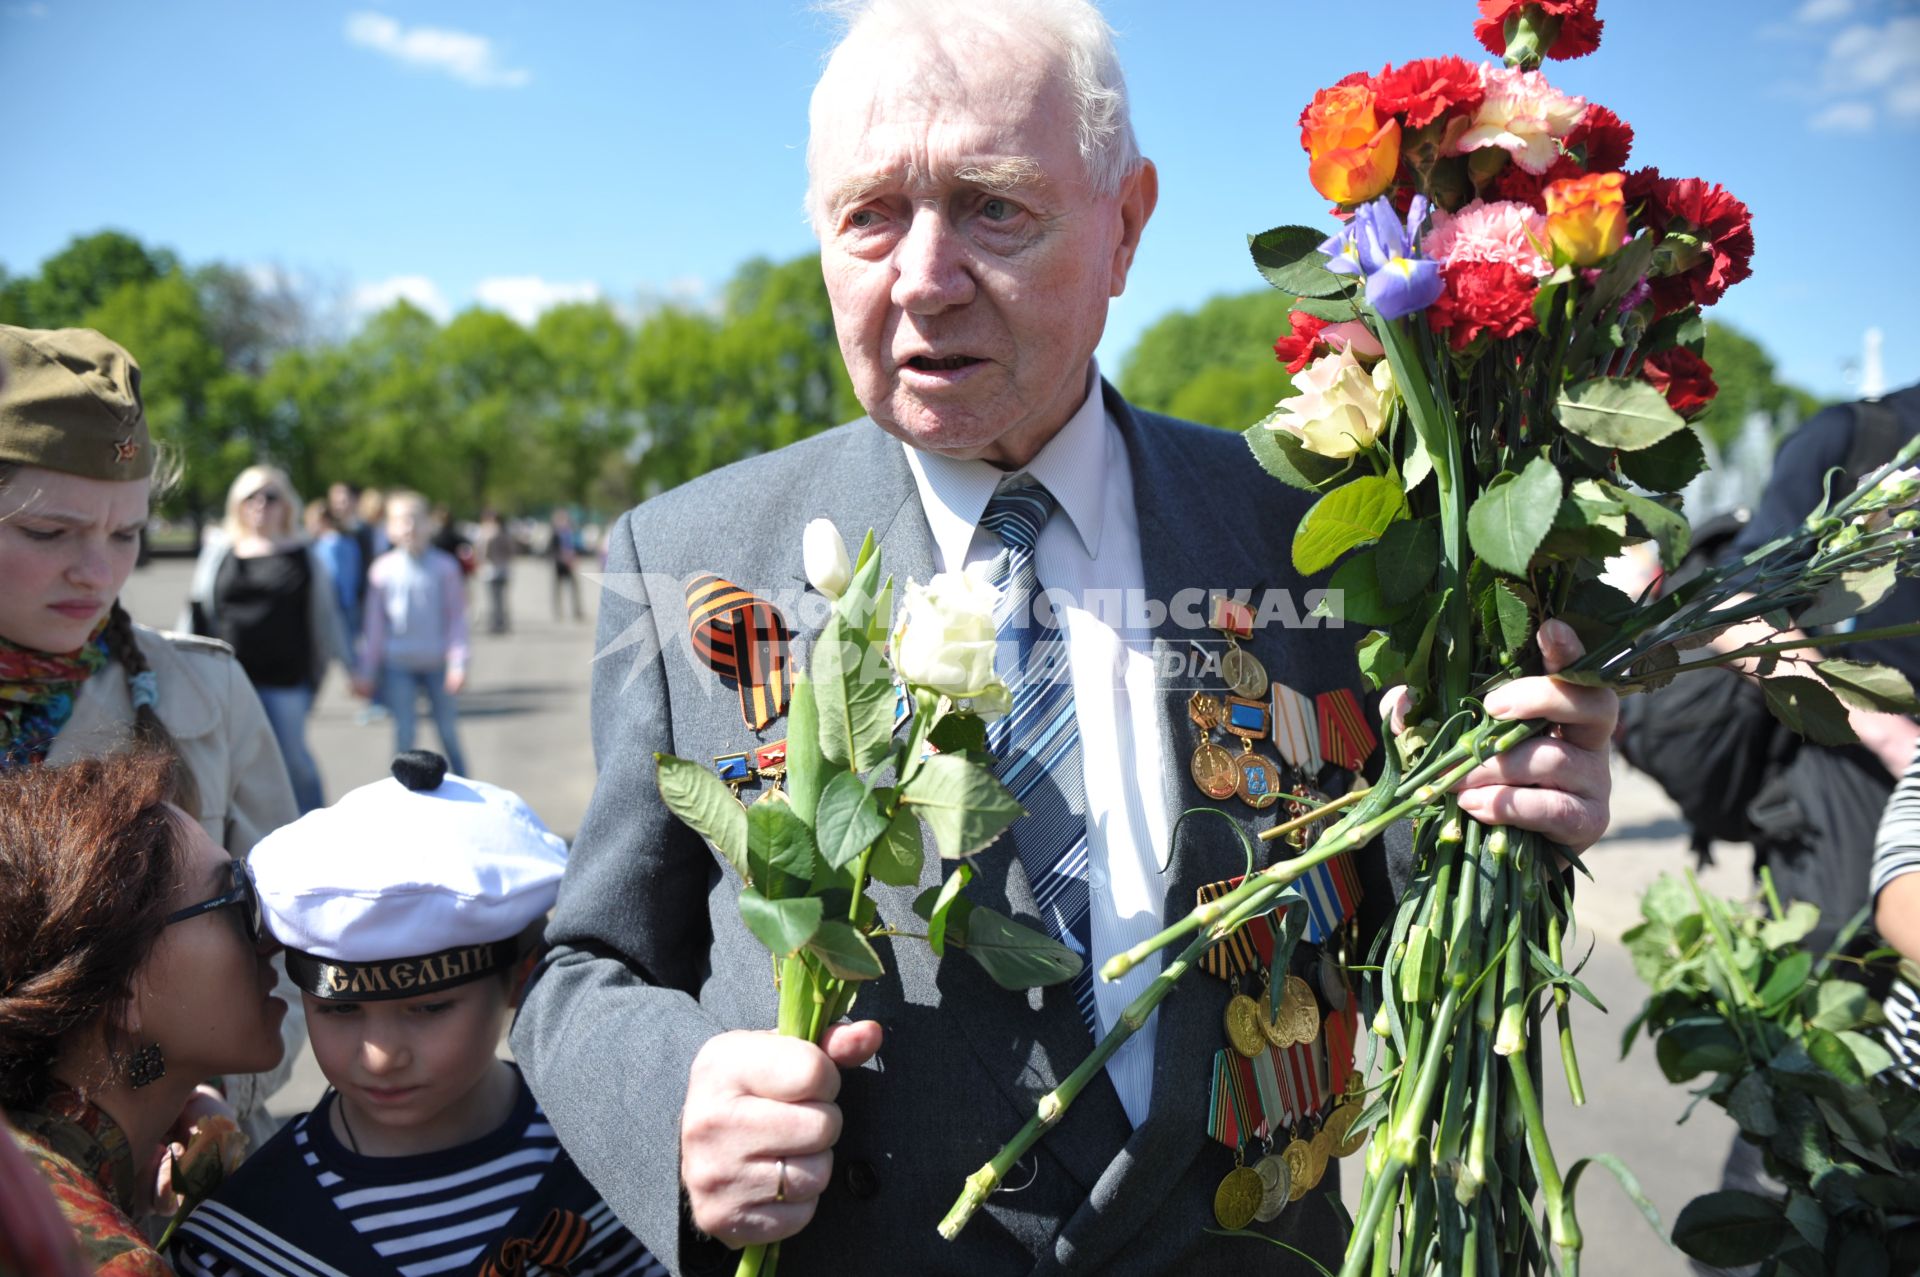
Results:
x,y
148,731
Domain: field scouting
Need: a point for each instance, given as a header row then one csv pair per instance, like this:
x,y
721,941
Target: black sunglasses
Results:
x,y
240,896
266,496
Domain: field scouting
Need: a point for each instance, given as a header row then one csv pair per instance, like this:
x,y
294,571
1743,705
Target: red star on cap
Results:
x,y
125,449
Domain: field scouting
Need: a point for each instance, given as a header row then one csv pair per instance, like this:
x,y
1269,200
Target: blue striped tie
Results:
x,y
1036,747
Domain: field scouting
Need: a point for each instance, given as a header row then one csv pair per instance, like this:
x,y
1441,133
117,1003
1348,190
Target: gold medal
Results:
x,y
1299,1155
1257,779
1237,1198
1273,1020
1321,1148
1214,772
1299,1012
1277,1181
1243,671
1340,1130
1243,1026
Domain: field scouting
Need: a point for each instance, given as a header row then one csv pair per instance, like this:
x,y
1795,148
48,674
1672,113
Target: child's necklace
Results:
x,y
341,1108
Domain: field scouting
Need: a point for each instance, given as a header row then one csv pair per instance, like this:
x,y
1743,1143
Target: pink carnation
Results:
x,y
1504,232
1524,116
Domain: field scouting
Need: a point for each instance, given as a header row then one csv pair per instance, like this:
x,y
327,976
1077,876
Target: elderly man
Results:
x,y
979,199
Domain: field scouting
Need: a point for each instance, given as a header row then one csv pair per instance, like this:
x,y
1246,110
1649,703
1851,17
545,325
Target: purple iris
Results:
x,y
1377,246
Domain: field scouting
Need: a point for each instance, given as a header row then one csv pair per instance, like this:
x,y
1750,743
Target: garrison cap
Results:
x,y
70,401
409,885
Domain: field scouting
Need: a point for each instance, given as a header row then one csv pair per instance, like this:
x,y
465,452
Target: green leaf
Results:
x,y
1628,1184
1696,1045
1669,465
849,820
1418,464
1507,523
945,909
1380,664
1861,1254
1838,1004
1808,708
1681,328
1751,1104
1016,956
781,925
959,733
854,695
1290,259
807,768
1864,685
1335,310
898,856
1668,527
1831,1054
778,840
1851,595
705,805
1283,456
1808,1219
1357,586
1506,614
845,952
964,806
1787,978
1618,412
1351,515
1668,901
1730,1228
1791,928
1408,555
1872,1058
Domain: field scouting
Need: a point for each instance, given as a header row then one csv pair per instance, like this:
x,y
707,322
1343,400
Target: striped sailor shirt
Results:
x,y
1897,852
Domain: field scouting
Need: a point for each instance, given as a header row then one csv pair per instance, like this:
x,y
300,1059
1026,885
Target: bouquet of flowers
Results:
x,y
885,731
1495,360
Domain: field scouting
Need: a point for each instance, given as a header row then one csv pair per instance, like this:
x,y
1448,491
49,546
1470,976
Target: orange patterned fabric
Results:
x,y
85,1160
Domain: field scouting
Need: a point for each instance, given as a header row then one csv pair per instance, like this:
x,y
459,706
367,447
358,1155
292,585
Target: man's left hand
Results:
x,y
1559,784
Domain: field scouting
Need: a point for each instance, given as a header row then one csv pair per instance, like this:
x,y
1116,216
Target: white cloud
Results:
x,y
526,297
470,59
417,289
1843,117
1823,10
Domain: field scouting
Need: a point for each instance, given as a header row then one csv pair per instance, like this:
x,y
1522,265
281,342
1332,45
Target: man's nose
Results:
x,y
930,268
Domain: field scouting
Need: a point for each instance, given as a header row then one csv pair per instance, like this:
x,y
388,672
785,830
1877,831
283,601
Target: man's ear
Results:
x,y
1139,193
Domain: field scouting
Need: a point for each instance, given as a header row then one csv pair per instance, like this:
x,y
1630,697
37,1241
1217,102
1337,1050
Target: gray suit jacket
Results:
x,y
651,957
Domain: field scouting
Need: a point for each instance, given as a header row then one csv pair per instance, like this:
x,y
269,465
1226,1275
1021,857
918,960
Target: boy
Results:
x,y
414,623
429,1155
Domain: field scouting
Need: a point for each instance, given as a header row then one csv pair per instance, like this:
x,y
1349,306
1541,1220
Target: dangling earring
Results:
x,y
146,1066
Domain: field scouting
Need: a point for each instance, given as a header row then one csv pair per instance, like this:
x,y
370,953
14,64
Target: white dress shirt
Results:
x,y
1090,552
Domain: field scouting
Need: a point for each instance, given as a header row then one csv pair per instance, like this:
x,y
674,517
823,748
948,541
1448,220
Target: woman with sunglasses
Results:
x,y
132,964
264,588
78,679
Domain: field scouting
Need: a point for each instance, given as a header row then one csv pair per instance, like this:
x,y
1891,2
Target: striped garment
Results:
x,y
1897,852
428,1214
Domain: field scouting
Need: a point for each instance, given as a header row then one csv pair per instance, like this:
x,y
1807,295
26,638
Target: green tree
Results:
x,y
1213,365
586,419
1745,374
78,279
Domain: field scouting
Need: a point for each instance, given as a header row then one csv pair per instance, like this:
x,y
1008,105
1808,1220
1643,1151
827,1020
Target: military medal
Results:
x,y
1212,766
1299,1157
1274,1020
1321,1148
1299,1014
1241,668
1250,946
1258,780
735,769
1243,1026
1233,1119
1277,1181
1339,1129
1238,1198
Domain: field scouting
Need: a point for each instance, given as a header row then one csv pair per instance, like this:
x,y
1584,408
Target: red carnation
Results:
x,y
1579,28
1426,89
1297,349
1604,138
1492,297
1707,212
1683,377
1514,183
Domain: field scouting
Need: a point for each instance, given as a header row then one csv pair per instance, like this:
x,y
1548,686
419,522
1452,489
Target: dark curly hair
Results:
x,y
90,859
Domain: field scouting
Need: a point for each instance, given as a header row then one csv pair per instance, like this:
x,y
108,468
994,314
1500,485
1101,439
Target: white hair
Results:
x,y
1083,44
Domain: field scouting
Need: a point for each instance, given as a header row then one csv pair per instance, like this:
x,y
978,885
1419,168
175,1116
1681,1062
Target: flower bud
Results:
x,y
825,557
945,637
1586,218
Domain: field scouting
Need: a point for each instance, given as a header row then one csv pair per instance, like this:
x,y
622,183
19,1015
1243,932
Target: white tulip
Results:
x,y
825,556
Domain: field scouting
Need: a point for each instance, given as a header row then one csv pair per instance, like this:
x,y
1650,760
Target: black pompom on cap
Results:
x,y
419,769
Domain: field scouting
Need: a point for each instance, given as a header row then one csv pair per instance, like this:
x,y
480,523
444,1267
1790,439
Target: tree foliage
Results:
x,y
1213,365
1745,374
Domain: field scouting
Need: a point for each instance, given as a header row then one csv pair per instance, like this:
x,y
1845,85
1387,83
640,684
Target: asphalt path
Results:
x,y
524,725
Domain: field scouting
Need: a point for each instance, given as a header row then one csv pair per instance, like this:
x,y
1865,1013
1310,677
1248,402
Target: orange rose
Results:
x,y
1586,218
1352,155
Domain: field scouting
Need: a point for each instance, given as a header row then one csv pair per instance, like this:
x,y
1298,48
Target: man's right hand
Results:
x,y
759,1126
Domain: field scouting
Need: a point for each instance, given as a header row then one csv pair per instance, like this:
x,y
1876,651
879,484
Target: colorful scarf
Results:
x,y
36,694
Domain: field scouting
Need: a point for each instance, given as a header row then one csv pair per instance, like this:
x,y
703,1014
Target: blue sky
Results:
x,y
513,152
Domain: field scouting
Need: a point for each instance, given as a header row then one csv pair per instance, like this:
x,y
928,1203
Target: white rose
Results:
x,y
825,556
1339,407
945,637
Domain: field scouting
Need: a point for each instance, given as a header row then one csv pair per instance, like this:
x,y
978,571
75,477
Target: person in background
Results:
x,y
494,550
416,629
264,589
78,678
1895,891
448,536
564,548
429,1154
132,963
343,504
341,554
